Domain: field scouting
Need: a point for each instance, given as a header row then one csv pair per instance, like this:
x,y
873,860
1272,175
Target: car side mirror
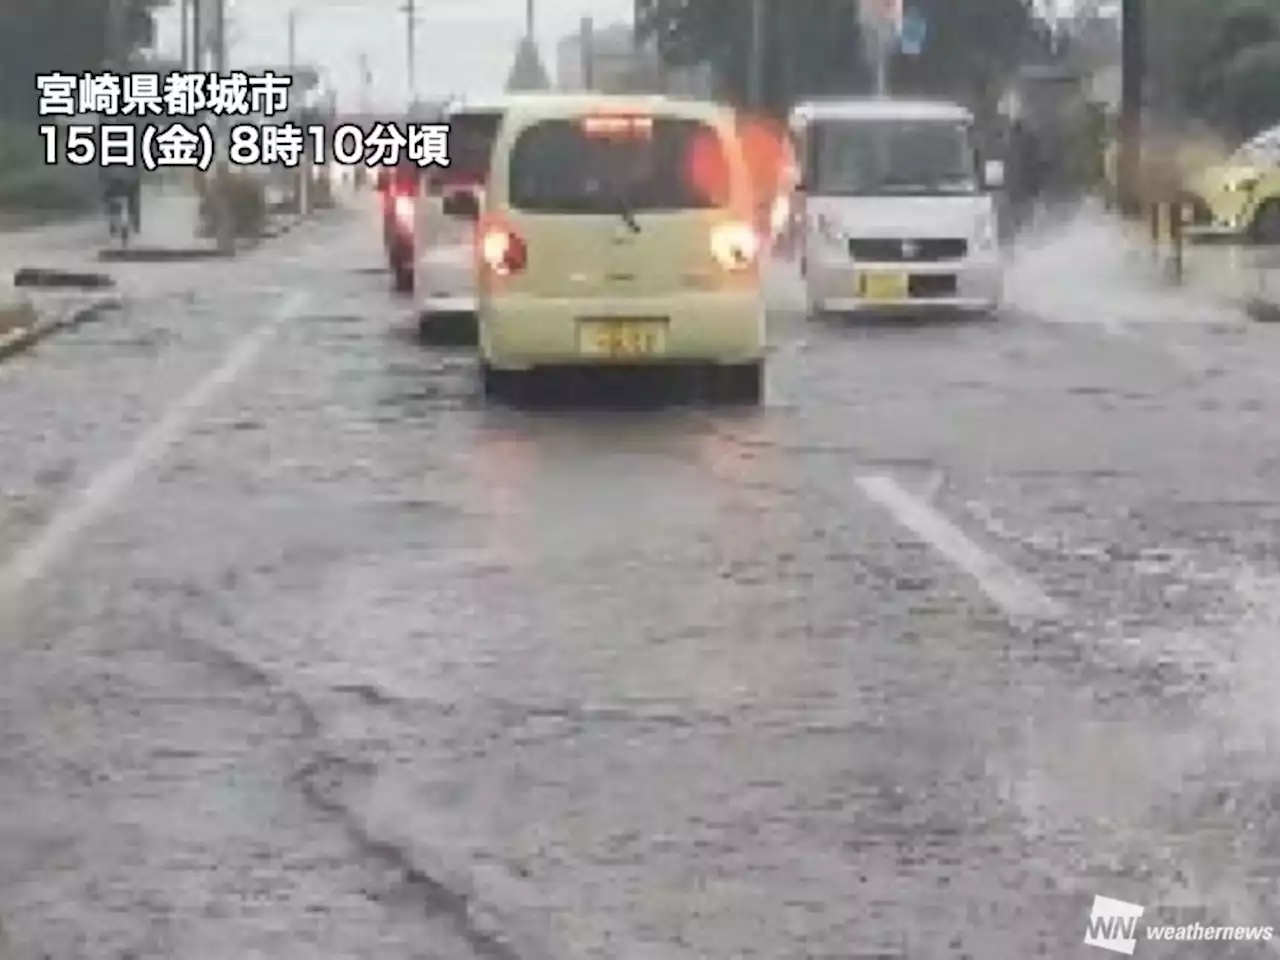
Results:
x,y
463,205
993,175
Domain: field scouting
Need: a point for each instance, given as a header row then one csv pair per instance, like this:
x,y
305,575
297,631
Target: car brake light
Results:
x,y
735,246
615,125
503,251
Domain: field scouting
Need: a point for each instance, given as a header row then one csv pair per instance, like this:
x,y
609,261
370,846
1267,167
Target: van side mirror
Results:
x,y
993,175
463,205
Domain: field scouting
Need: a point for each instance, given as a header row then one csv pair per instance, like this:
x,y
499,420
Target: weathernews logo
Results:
x,y
1114,926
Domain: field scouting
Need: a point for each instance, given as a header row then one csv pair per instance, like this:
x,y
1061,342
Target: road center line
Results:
x,y
35,558
1015,594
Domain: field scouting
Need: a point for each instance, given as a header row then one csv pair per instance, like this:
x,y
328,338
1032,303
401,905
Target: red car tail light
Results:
x,y
404,210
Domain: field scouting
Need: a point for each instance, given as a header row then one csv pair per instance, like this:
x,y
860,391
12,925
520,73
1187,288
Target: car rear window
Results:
x,y
471,139
598,165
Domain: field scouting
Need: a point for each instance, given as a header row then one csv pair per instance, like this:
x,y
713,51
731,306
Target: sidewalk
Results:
x,y
1210,275
168,223
61,269
1246,277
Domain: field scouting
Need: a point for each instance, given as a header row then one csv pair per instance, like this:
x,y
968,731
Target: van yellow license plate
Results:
x,y
622,339
883,285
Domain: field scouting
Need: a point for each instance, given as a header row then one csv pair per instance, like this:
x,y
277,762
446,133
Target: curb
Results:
x,y
48,278
160,254
24,338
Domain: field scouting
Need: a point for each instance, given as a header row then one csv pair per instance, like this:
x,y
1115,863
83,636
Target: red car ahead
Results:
x,y
398,190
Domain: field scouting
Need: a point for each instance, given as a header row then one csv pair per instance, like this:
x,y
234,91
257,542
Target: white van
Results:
x,y
896,210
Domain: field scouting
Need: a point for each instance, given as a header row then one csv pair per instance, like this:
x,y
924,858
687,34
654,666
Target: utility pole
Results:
x,y
116,53
224,225
184,26
1132,80
879,20
410,11
755,66
882,64
197,37
303,173
586,44
365,79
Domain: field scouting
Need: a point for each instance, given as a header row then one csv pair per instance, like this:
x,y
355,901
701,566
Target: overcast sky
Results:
x,y
464,46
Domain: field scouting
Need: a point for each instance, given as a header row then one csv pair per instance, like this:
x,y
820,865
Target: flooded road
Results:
x,y
312,653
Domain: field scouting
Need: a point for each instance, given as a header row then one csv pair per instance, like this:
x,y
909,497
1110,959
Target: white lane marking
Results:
x,y
1015,594
34,559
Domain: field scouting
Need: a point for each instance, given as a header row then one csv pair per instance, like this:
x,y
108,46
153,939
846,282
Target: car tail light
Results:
x,y
609,126
735,246
404,209
780,213
503,251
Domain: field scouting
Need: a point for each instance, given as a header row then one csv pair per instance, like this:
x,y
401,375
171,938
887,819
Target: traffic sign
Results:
x,y
883,15
912,33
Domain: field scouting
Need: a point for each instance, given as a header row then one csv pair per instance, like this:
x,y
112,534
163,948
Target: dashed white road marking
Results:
x,y
34,559
1017,596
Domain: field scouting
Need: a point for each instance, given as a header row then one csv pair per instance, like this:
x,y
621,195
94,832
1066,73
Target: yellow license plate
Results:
x,y
622,339
874,285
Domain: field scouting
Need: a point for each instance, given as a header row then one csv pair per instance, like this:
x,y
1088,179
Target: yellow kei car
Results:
x,y
1240,197
620,231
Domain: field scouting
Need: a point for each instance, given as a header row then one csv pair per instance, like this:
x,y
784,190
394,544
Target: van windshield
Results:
x,y
892,158
577,166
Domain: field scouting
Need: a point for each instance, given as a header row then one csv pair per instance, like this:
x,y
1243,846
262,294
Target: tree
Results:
x,y
815,46
1201,58
43,36
970,48
1247,90
809,47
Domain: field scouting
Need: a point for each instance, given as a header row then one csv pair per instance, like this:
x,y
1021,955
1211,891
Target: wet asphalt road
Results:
x,y
311,654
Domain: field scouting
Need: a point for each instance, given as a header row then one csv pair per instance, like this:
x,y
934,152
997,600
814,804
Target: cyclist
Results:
x,y
123,183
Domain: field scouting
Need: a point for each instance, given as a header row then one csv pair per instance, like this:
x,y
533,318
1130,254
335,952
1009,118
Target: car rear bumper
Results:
x,y
973,284
445,280
520,332
446,304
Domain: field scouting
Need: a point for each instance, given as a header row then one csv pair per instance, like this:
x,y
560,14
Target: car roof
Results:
x,y
879,108
574,105
501,103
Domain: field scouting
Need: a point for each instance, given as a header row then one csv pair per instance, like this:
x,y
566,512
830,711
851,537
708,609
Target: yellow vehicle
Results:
x,y
1239,197
619,231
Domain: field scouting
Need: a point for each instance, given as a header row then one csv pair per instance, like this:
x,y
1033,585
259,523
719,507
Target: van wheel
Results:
x,y
1266,224
741,383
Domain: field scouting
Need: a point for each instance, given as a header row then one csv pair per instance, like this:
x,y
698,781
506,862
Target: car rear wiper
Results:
x,y
626,213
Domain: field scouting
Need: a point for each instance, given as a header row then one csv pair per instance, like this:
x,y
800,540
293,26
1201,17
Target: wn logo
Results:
x,y
1113,925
